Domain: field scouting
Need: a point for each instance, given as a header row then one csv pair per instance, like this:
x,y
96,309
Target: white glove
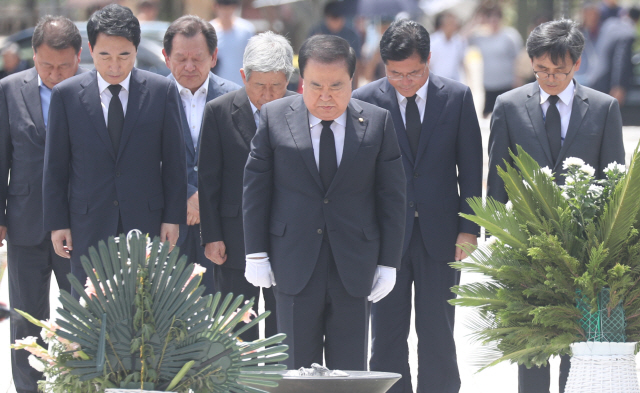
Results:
x,y
383,282
258,272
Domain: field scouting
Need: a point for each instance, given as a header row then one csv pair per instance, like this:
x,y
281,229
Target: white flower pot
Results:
x,y
603,367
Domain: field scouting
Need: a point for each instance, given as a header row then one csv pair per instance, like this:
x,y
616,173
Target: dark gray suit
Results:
x,y
189,240
227,129
90,187
30,252
324,245
594,134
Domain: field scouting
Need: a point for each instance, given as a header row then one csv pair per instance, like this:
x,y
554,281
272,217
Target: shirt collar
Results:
x,y
342,120
104,85
204,89
566,96
253,107
40,84
422,93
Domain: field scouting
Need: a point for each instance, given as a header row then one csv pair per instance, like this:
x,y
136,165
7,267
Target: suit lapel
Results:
x,y
353,135
137,96
298,121
31,95
389,95
579,109
535,115
90,98
436,100
242,116
188,140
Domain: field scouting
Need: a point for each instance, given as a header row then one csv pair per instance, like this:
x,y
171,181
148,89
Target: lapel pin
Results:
x,y
361,120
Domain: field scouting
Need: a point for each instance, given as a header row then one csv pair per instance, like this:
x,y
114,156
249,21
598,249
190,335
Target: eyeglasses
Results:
x,y
415,75
558,76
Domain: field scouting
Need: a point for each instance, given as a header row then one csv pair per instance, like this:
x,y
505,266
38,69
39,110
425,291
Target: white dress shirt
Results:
x,y
421,101
564,105
256,114
105,95
338,127
193,105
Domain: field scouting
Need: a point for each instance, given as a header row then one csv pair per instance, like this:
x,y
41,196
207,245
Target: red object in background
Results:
x,y
300,86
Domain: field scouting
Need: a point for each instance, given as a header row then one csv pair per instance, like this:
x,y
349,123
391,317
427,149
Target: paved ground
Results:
x,y
499,379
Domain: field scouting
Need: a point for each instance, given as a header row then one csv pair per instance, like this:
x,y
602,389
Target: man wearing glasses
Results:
x,y
439,136
552,119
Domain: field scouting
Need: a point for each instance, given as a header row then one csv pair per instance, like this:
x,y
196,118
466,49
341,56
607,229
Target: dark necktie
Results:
x,y
328,159
554,129
413,124
115,119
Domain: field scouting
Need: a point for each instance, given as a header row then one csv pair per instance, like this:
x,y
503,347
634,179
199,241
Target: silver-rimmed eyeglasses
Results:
x,y
558,76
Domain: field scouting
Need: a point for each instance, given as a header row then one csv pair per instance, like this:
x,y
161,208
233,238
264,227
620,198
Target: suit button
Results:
x,y
416,175
195,168
319,231
115,203
326,200
117,174
411,204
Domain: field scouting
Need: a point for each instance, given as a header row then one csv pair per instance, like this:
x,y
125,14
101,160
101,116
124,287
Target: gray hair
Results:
x,y
12,48
556,39
268,52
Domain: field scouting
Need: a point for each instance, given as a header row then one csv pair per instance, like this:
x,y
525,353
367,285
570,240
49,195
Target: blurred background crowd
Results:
x,y
469,38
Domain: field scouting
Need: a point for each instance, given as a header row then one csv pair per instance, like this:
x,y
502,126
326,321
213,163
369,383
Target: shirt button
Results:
x,y
326,200
193,106
115,203
411,204
416,175
117,174
195,168
319,231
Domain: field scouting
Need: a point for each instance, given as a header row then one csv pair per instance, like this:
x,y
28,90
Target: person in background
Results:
x,y
499,46
609,9
148,11
552,119
437,128
24,115
11,61
590,28
614,71
233,35
448,48
229,124
190,50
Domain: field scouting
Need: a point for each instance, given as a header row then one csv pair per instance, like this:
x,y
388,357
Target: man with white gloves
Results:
x,y
324,209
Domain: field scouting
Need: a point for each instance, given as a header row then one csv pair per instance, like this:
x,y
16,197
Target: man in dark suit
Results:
x,y
190,52
24,110
323,205
114,155
552,119
438,131
229,124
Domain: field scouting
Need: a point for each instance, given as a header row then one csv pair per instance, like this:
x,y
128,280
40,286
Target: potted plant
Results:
x,y
144,325
562,265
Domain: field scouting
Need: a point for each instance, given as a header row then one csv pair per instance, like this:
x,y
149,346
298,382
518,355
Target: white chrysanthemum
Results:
x,y
588,169
614,166
565,195
596,189
569,180
36,363
491,241
572,161
509,205
547,171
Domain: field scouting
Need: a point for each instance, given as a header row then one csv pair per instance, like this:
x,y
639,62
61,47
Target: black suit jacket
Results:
x,y
227,129
594,133
217,87
22,138
88,185
448,167
286,209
